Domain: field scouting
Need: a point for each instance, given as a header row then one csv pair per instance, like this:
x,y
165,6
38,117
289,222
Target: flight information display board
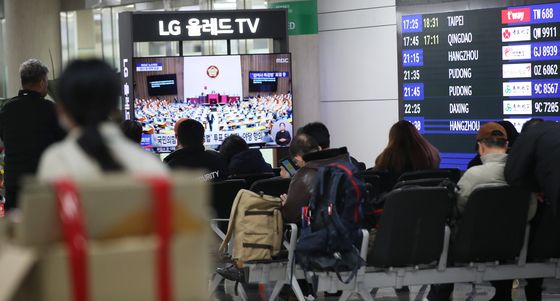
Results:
x,y
461,69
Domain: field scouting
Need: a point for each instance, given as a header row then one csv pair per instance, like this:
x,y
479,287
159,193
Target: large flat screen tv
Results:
x,y
245,95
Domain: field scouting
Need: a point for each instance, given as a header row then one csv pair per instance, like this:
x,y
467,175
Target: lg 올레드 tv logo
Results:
x,y
516,15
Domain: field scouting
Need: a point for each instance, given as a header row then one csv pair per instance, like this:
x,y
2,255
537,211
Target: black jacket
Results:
x,y
199,158
28,125
302,184
534,162
248,162
283,135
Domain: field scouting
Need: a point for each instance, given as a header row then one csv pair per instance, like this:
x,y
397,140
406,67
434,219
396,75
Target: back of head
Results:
x,y
190,133
232,146
511,131
88,92
493,135
302,145
32,72
530,123
319,132
132,130
407,150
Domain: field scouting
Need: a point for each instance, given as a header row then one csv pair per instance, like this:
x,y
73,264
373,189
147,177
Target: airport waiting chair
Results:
x,y
375,184
412,228
276,171
452,174
252,178
428,182
544,239
223,195
386,180
273,186
492,227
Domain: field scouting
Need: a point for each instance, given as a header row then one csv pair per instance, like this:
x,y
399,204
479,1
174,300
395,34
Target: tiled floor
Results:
x,y
484,293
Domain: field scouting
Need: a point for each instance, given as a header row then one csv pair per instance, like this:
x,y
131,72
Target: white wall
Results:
x,y
358,73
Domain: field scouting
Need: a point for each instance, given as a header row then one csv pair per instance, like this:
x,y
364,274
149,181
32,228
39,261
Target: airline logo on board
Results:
x,y
517,122
518,107
517,89
516,34
516,15
516,70
516,52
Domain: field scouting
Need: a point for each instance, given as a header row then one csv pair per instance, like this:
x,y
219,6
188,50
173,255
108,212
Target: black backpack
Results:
x,y
332,227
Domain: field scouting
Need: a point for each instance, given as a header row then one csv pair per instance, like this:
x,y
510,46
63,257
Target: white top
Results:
x,y
67,159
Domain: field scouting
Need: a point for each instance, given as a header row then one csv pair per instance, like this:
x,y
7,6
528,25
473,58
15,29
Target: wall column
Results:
x,y
305,77
32,29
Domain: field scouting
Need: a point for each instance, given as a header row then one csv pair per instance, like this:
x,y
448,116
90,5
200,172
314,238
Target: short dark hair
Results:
x,y
132,130
232,146
190,133
303,144
32,71
317,131
530,123
494,143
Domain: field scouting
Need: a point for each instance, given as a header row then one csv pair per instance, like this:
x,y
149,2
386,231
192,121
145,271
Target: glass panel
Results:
x,y
191,48
150,49
64,37
115,25
3,65
256,4
219,47
224,4
107,37
72,38
252,46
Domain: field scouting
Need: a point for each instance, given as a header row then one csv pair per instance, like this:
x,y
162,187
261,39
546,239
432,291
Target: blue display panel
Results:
x,y
461,69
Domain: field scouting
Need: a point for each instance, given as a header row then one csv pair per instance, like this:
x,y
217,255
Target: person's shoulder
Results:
x,y
143,160
52,158
214,154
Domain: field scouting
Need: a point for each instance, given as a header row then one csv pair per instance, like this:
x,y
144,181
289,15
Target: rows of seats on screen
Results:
x,y
245,95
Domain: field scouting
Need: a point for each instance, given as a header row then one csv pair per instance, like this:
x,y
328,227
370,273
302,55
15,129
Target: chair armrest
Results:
x,y
365,243
214,226
291,245
442,264
522,260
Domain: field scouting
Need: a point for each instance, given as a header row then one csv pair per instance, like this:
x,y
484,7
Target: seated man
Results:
x,y
492,147
190,153
320,133
303,182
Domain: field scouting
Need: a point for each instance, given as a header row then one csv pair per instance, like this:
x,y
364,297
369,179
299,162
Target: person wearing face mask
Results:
x,y
28,125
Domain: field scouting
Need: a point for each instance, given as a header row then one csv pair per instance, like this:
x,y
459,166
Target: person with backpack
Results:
x,y
303,182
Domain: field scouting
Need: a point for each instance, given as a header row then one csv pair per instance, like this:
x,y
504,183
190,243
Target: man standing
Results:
x,y
28,125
